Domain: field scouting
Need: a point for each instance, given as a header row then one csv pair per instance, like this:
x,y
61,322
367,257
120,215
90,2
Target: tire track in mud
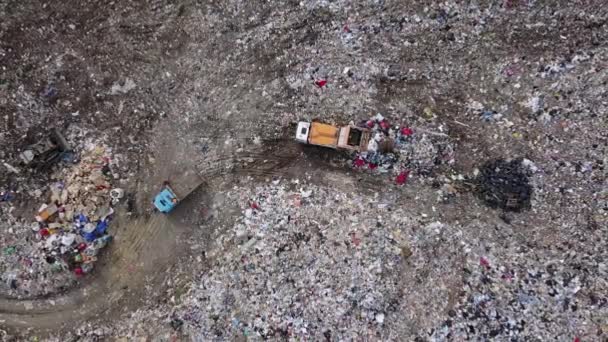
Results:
x,y
285,157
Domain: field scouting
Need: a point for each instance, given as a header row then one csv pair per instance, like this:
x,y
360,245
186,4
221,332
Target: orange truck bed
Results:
x,y
323,134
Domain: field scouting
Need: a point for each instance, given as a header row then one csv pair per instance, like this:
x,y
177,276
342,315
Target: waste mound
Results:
x,y
398,149
302,263
47,253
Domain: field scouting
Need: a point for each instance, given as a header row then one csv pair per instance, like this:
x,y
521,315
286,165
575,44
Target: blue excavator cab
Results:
x,y
172,193
165,200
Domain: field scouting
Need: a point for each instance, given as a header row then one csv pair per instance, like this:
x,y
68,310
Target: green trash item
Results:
x,y
56,267
10,250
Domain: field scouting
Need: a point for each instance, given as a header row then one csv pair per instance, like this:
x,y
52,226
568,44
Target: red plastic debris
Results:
x,y
44,232
385,125
402,177
78,271
576,339
370,124
484,262
255,206
372,166
82,246
346,29
297,201
407,131
359,162
321,83
355,240
511,3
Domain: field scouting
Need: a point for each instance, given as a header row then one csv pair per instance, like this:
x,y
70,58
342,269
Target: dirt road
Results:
x,y
144,248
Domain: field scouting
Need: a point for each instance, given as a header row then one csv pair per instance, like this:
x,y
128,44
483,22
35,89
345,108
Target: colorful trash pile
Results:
x,y
399,149
74,224
69,230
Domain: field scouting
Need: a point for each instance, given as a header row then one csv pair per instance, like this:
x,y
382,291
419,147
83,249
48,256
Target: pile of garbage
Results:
x,y
528,291
401,149
307,262
69,230
25,270
290,268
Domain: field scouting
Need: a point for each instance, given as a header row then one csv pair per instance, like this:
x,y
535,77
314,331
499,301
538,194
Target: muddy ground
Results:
x,y
217,86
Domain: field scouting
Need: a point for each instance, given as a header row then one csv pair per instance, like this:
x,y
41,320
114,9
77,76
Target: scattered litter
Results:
x,y
360,258
527,163
341,273
127,86
12,168
490,115
306,194
6,196
117,194
402,177
49,92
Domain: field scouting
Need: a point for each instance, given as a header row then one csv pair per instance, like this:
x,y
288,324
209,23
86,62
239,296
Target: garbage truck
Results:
x,y
349,137
175,191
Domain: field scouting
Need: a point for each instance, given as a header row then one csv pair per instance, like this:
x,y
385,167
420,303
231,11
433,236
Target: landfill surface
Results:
x,y
477,211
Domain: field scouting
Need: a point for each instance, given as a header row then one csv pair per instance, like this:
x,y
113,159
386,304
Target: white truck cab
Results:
x,y
302,132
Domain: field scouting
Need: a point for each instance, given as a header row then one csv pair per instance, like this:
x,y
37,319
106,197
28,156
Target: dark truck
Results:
x,y
45,152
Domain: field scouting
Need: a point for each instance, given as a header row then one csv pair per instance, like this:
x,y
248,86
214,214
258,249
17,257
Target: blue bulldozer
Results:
x,y
173,192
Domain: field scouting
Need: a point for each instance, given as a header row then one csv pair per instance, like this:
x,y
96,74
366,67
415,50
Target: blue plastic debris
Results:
x,y
101,228
101,242
89,236
80,221
68,157
88,231
49,91
6,196
488,115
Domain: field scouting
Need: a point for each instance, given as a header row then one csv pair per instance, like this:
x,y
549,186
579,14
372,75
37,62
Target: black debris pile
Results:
x,y
504,184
